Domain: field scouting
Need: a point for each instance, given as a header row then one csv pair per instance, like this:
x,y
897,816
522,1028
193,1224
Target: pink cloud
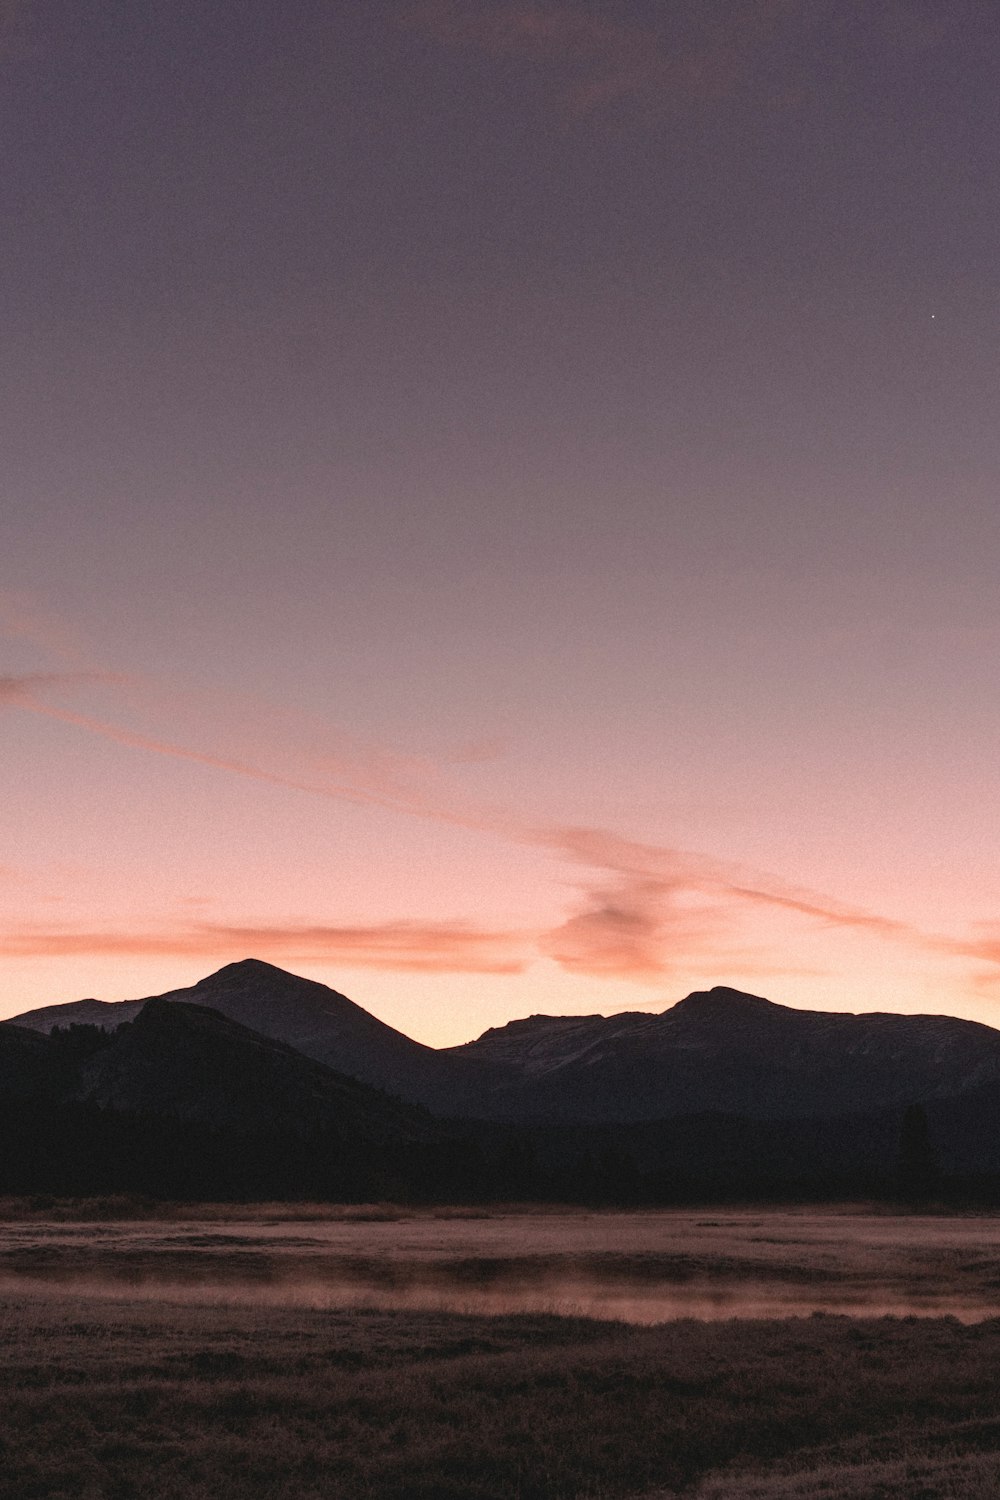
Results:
x,y
415,947
642,911
642,918
653,910
831,913
366,775
21,690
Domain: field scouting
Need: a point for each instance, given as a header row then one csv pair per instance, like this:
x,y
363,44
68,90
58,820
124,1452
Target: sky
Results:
x,y
500,502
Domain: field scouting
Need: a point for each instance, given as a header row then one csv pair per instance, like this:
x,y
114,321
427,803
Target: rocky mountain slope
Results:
x,y
721,1050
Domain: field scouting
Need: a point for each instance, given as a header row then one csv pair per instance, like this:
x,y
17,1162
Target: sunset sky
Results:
x,y
500,502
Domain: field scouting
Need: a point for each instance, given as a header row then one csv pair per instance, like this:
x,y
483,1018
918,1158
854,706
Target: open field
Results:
x,y
120,1384
638,1267
117,1401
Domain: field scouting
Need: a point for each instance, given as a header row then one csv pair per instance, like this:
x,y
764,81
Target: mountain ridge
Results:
x,y
183,1100
315,1019
719,1049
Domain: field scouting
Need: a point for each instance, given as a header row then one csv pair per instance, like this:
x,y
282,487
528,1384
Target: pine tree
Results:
x,y
917,1173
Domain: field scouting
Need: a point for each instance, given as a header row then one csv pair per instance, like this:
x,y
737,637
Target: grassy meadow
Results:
x,y
157,1390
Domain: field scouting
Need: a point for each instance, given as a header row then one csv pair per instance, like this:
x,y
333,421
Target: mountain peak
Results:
x,y
246,968
721,1000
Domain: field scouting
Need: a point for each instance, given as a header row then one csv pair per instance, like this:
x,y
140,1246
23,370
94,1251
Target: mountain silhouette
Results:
x,y
183,1102
314,1019
725,1095
192,1063
718,1050
24,1062
723,1050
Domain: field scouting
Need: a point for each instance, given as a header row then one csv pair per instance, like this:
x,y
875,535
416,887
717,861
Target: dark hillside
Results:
x,y
191,1063
315,1020
724,1051
717,1051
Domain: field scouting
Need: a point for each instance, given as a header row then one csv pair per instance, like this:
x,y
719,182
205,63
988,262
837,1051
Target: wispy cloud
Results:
x,y
982,946
24,689
641,912
649,911
642,917
596,59
633,931
829,912
367,775
646,913
416,947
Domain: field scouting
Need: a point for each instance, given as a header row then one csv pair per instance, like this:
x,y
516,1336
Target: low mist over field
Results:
x,y
637,1268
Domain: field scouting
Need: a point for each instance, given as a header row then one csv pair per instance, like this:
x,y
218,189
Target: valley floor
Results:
x,y
117,1401
143,1390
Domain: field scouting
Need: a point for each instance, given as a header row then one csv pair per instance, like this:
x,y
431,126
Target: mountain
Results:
x,y
192,1063
186,1062
108,1014
182,1102
722,1050
718,1051
312,1018
24,1062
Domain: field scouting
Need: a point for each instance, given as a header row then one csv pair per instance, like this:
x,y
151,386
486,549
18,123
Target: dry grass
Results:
x,y
181,1357
137,1400
974,1477
131,1208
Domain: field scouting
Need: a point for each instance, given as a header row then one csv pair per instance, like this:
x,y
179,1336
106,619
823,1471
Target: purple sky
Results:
x,y
499,501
